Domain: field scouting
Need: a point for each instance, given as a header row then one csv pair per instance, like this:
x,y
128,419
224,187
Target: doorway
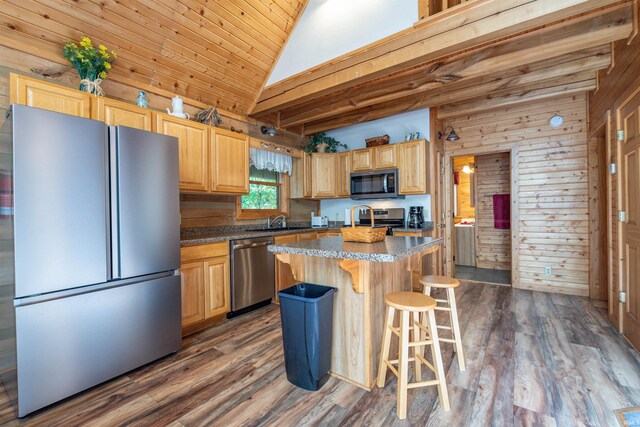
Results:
x,y
481,196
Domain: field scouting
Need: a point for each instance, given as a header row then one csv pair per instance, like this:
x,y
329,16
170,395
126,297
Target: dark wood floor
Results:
x,y
532,359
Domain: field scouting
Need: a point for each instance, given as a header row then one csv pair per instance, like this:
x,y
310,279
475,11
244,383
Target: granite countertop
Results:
x,y
225,236
392,249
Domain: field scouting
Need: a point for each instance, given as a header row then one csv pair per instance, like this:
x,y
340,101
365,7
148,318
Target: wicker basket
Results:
x,y
377,140
363,234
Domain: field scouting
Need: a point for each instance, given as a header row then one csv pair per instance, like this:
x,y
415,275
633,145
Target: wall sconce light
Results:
x,y
271,130
449,134
467,169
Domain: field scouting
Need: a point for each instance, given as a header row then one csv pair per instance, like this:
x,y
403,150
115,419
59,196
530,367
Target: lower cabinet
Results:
x,y
204,277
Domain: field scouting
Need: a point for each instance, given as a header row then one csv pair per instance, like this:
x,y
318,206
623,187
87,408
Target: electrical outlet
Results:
x,y
548,271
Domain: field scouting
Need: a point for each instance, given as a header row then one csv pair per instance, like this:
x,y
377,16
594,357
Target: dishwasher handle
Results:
x,y
252,245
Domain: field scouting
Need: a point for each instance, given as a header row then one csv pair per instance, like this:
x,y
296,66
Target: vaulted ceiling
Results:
x,y
215,52
479,55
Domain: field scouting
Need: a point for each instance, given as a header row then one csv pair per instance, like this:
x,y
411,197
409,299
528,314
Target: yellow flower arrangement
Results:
x,y
90,62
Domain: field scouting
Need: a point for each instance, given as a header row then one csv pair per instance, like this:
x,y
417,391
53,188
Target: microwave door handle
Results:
x,y
386,183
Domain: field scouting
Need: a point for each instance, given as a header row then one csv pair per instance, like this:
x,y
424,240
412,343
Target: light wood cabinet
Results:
x,y
229,162
311,235
362,160
118,113
192,291
323,175
343,188
193,150
412,167
205,289
40,94
301,177
217,292
384,156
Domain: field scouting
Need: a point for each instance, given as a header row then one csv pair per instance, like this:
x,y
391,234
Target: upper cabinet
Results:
x,y
323,178
301,177
48,96
384,156
118,113
229,162
343,188
193,150
412,167
362,160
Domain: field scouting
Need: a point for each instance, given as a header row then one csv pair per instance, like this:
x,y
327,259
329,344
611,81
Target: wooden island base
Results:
x,y
358,311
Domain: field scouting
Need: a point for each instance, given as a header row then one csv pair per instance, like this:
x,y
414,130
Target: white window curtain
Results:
x,y
269,160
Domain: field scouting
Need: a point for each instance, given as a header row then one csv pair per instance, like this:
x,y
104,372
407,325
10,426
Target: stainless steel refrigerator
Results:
x,y
90,249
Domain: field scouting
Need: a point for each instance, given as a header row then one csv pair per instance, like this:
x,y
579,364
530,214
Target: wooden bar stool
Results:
x,y
411,305
449,304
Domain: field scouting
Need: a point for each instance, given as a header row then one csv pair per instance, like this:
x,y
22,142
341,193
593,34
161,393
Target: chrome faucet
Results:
x,y
271,222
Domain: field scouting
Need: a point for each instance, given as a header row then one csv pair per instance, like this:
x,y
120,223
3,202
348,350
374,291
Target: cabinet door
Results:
x,y
362,160
49,96
118,113
216,290
307,236
385,157
412,167
192,278
344,174
323,178
229,162
193,150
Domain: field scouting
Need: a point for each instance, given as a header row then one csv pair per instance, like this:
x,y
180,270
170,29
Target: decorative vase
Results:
x,y
322,147
91,83
142,100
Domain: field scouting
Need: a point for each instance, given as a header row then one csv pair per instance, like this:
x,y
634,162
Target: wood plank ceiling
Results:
x,y
215,52
479,55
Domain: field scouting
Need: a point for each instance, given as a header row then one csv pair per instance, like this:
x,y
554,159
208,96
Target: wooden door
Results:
x,y
49,96
629,159
412,167
362,160
384,157
216,288
118,113
193,150
323,175
344,174
229,162
192,278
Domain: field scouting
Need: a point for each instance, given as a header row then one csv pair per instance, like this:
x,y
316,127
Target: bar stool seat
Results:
x,y
412,305
449,305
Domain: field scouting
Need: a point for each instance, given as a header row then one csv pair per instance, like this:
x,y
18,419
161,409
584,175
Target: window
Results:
x,y
267,195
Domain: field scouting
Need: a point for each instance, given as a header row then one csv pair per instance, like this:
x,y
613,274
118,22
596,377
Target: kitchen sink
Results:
x,y
280,229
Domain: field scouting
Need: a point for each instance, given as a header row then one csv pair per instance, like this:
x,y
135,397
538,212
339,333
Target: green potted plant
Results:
x,y
323,143
93,64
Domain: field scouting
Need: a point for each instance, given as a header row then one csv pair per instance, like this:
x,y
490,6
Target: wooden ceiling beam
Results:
x,y
476,23
493,102
441,93
538,90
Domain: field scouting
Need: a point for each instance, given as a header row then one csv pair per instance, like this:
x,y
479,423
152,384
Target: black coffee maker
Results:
x,y
416,218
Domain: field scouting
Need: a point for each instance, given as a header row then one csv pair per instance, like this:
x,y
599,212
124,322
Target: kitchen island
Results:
x,y
363,273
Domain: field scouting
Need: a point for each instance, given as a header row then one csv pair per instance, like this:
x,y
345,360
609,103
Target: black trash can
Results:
x,y
306,311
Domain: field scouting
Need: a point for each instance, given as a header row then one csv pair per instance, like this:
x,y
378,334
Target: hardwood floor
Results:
x,y
485,275
532,359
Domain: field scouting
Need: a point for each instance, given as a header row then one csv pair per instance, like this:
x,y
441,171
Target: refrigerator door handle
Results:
x,y
115,218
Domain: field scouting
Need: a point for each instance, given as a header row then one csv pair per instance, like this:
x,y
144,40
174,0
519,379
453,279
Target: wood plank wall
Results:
x,y
492,177
466,205
615,87
203,210
552,177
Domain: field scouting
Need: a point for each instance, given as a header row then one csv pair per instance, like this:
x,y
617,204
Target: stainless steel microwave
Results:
x,y
378,184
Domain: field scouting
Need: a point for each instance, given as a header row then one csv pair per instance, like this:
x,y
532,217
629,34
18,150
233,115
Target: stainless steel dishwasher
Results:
x,y
252,274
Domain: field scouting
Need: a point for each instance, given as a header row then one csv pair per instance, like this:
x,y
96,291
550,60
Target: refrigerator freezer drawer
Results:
x,y
67,345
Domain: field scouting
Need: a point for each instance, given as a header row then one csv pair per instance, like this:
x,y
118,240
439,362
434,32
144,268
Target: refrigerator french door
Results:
x,y
96,248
